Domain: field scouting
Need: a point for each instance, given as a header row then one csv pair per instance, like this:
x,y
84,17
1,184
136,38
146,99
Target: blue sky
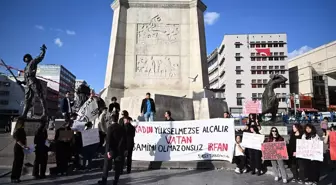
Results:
x,y
77,32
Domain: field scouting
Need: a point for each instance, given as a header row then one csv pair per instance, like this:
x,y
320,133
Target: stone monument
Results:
x,y
158,46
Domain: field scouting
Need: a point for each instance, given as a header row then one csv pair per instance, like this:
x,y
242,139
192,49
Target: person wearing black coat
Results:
x,y
148,108
66,106
114,106
41,152
115,149
63,150
19,147
130,134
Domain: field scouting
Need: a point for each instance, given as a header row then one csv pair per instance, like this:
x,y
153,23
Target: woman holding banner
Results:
x,y
313,167
294,162
278,166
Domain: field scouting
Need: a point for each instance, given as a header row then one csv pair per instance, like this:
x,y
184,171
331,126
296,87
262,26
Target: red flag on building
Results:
x,y
264,52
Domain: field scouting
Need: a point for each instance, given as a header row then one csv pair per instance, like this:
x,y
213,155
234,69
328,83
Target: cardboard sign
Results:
x,y
65,135
90,137
332,140
252,107
252,141
274,151
309,149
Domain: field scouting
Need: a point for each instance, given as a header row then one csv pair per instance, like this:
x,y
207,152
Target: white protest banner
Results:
x,y
78,125
309,149
90,137
89,111
253,141
184,140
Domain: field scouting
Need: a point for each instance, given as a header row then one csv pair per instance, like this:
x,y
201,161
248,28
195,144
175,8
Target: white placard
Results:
x,y
184,140
89,111
252,141
309,149
78,125
90,137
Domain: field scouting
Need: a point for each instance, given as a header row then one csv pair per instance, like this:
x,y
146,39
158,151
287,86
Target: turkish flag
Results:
x,y
332,141
264,52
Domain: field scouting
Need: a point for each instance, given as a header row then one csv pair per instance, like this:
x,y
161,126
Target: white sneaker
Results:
x,y
308,183
284,181
245,170
276,178
237,170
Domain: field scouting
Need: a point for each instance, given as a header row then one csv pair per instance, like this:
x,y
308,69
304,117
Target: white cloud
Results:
x,y
211,17
69,32
57,29
300,51
39,27
58,42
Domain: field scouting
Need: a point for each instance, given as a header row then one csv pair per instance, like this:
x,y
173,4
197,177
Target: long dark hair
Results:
x,y
312,133
255,128
271,138
253,119
299,127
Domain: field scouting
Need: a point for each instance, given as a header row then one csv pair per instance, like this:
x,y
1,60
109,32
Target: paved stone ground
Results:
x,y
164,177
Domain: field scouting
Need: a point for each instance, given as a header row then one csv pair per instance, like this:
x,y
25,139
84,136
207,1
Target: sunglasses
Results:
x,y
274,131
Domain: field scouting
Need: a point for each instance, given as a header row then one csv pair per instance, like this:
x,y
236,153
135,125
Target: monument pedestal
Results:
x,y
181,108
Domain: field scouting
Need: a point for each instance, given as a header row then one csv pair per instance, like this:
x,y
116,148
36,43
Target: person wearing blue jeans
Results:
x,y
148,108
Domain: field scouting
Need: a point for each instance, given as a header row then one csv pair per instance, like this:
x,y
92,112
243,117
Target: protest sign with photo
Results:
x,y
184,140
252,141
309,149
274,151
332,140
90,137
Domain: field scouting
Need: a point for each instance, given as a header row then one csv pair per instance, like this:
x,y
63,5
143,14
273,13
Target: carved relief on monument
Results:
x,y
156,32
161,67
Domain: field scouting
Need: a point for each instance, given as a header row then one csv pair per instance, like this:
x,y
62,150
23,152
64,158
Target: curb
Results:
x,y
5,174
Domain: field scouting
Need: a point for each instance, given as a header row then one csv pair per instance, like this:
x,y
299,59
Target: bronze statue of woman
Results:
x,y
270,102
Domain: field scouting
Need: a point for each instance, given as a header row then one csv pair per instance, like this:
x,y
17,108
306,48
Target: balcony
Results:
x,y
221,83
213,67
212,81
222,61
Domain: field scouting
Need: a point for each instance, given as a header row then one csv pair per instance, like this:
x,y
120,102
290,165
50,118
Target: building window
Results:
x,y
252,59
258,67
264,59
264,81
237,45
282,67
4,93
263,45
275,45
276,67
253,72
281,53
3,102
239,99
257,45
253,83
276,58
270,58
283,72
252,46
253,67
269,45
237,59
237,55
238,72
283,99
238,84
281,45
282,58
270,67
259,95
254,96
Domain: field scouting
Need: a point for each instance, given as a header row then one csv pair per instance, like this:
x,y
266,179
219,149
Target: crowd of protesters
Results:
x,y
116,144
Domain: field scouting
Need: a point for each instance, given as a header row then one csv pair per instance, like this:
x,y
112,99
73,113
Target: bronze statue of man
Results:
x,y
34,86
270,102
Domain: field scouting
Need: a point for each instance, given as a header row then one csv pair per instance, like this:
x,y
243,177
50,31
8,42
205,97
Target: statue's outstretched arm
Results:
x,y
39,58
280,79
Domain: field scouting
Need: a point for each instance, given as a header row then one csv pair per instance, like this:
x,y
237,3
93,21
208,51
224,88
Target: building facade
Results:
x,y
58,77
313,74
242,64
